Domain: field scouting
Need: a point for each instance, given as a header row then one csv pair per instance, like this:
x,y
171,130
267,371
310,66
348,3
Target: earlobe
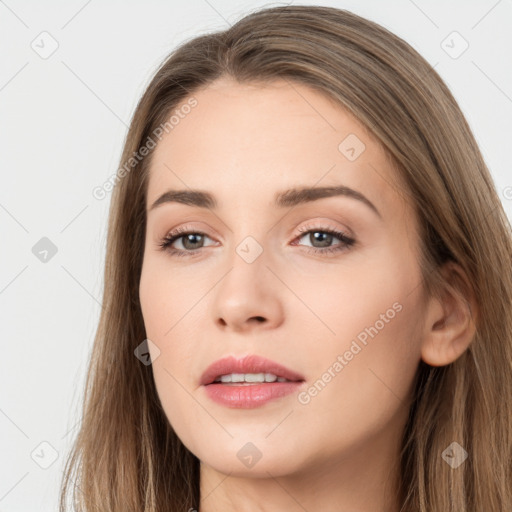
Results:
x,y
450,320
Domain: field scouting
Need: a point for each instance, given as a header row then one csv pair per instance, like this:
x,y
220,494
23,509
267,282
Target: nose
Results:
x,y
248,297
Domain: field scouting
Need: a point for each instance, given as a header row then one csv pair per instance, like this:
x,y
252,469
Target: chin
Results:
x,y
250,459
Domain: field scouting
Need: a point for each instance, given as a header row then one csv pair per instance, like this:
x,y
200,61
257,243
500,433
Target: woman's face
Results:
x,y
265,275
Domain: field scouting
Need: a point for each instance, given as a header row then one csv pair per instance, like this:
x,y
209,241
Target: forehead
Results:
x,y
257,139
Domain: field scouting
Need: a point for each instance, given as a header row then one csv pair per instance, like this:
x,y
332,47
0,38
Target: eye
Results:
x,y
190,241
322,238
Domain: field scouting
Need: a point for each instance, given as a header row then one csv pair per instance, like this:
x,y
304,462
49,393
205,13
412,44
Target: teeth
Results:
x,y
250,377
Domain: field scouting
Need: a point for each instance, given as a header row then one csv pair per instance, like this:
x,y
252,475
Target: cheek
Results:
x,y
368,367
172,313
150,296
164,304
166,295
371,307
351,298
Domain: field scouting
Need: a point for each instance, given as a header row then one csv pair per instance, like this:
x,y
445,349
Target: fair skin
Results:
x,y
339,451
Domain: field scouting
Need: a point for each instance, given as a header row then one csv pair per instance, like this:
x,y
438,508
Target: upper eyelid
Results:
x,y
318,225
324,225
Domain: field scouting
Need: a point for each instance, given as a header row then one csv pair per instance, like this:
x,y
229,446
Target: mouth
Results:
x,y
248,371
249,382
248,379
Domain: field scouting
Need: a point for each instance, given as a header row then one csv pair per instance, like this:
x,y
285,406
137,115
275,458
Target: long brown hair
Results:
x,y
126,457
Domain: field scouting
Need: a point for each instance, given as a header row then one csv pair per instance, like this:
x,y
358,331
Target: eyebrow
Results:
x,y
284,199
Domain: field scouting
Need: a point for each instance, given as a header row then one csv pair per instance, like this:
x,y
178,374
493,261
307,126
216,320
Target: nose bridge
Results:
x,y
249,239
247,260
250,250
246,291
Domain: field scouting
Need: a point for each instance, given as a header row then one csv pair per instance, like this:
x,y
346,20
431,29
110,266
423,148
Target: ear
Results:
x,y
450,319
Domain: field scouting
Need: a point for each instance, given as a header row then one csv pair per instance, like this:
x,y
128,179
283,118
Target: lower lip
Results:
x,y
249,396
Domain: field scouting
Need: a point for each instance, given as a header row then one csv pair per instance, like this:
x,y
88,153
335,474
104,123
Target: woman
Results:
x,y
308,288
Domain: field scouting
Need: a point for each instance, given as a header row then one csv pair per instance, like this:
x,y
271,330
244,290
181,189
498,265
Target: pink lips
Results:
x,y
248,395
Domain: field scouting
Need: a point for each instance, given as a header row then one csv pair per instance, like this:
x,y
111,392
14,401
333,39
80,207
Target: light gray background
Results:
x,y
63,119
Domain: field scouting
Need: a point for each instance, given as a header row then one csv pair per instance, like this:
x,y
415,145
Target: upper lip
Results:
x,y
247,364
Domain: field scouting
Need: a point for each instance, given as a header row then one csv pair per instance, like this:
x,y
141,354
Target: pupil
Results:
x,y
327,238
190,239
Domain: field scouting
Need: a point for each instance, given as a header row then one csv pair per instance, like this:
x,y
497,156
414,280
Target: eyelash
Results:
x,y
346,241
